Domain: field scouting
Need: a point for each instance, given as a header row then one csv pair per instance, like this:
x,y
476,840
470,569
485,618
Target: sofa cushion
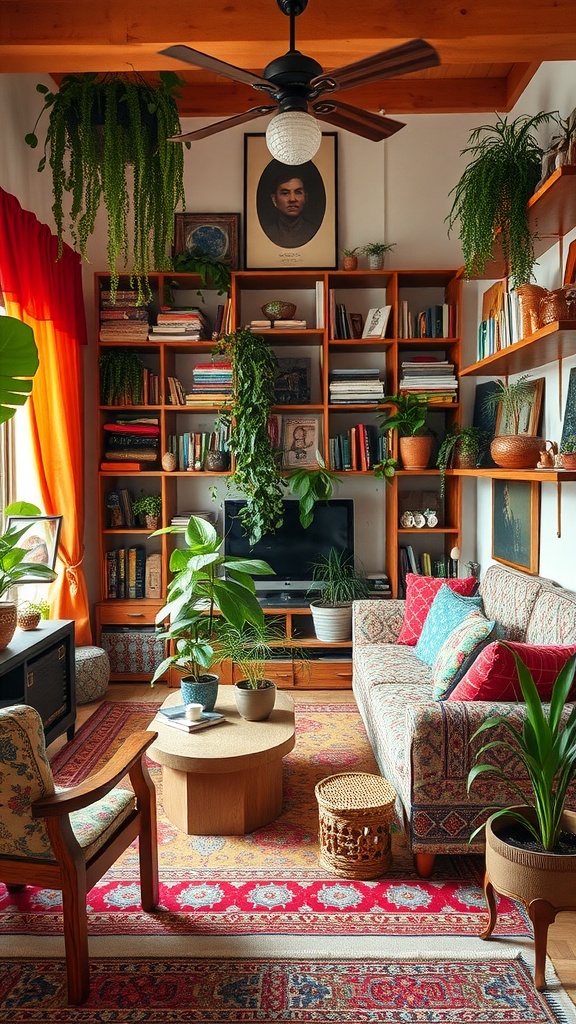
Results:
x,y
447,610
553,618
459,651
383,664
493,676
509,598
420,592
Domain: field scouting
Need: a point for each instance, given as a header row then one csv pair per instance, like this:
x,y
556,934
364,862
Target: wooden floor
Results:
x,y
562,934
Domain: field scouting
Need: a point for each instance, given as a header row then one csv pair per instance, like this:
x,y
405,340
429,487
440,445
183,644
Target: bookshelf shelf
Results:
x,y
554,341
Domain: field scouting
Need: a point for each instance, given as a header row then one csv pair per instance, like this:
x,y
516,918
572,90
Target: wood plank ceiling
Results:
x,y
489,49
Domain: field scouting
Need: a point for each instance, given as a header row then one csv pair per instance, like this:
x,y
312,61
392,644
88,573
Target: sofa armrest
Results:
x,y
377,621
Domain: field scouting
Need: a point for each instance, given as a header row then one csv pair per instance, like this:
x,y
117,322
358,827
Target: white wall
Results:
x,y
399,189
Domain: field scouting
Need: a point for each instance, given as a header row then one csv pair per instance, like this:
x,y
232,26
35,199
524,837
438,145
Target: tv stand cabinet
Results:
x,y
38,668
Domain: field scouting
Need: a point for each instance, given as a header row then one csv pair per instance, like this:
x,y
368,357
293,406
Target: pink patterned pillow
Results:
x,y
493,675
420,593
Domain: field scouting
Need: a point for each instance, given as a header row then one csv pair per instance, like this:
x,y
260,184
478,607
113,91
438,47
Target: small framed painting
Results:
x,y
214,235
40,541
376,322
300,442
289,210
516,524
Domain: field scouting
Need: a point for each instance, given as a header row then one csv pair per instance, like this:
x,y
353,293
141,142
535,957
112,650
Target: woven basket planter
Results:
x,y
355,811
8,622
516,451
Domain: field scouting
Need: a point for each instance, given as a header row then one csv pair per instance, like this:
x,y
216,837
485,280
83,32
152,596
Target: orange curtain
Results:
x,y
46,293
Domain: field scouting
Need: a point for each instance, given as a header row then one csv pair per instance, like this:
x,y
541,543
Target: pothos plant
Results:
x,y
256,474
120,377
99,126
311,486
213,272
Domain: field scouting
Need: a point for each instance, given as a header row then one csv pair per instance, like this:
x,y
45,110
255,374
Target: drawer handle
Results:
x,y
135,615
344,675
61,652
29,680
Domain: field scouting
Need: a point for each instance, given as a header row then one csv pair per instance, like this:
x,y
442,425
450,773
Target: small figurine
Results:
x,y
548,456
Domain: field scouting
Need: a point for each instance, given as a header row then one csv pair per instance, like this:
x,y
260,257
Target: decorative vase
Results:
x,y
415,452
168,462
255,705
529,296
217,461
8,622
332,622
516,451
349,263
544,882
28,619
375,261
202,691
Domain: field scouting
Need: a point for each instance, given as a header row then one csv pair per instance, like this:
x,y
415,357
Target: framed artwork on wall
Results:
x,y
40,541
300,442
215,235
290,211
516,524
569,421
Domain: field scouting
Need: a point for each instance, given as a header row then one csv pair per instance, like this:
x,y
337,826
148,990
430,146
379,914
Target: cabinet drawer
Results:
x,y
280,672
320,675
129,614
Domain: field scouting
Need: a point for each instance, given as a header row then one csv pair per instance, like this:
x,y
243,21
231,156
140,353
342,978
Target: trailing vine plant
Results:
x,y
254,369
491,197
98,127
121,377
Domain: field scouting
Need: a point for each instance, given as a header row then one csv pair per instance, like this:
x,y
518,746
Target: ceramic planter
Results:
x,y
8,622
202,691
544,882
415,452
255,705
516,451
332,622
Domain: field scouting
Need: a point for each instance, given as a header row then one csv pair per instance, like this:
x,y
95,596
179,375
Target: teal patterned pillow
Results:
x,y
462,645
446,611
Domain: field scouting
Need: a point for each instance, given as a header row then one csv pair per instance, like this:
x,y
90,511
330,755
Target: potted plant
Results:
x,y
207,590
409,419
102,128
121,379
568,452
255,473
14,567
250,647
311,486
531,848
385,469
514,449
210,271
148,507
376,252
350,258
29,613
463,448
490,200
340,584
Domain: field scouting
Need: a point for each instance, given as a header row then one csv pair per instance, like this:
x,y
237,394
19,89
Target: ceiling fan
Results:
x,y
303,92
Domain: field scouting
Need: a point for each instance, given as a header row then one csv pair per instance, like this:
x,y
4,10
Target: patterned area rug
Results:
x,y
269,882
342,990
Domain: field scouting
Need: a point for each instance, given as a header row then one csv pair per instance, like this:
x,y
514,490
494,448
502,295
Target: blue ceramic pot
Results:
x,y
203,691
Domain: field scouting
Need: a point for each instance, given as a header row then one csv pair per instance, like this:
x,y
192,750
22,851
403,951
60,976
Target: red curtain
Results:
x,y
46,292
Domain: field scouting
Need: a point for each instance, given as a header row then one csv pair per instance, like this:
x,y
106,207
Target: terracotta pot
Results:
x,y
152,522
8,622
568,460
415,452
349,263
516,451
255,705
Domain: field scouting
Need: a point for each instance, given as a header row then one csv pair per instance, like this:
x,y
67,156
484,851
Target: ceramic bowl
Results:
x,y
276,309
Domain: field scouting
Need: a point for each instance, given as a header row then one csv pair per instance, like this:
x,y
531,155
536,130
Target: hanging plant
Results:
x,y
98,127
491,197
121,377
254,369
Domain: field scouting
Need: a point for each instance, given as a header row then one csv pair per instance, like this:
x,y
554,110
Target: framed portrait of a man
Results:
x,y
290,210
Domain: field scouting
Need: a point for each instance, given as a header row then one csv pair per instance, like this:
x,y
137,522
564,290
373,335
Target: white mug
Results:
x,y
193,712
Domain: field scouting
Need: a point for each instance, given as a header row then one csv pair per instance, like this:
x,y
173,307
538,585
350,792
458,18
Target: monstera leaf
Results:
x,y
18,361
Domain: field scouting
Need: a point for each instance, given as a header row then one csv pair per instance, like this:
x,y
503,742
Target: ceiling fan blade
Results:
x,y
222,126
361,122
219,67
417,55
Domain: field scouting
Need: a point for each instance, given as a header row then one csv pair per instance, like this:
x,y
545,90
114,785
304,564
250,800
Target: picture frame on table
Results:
x,y
290,211
516,524
376,322
300,442
214,235
40,541
530,414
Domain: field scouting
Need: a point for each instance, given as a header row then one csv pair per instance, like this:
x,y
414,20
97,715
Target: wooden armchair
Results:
x,y
68,839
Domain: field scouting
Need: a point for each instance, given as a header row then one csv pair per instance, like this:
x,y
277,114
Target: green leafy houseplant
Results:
x,y
121,379
311,486
491,197
547,750
512,396
339,580
19,360
462,442
99,127
211,272
13,564
568,447
409,417
256,474
198,591
250,647
386,469
147,505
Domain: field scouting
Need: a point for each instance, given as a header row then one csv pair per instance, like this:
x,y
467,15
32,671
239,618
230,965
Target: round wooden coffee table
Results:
x,y
227,779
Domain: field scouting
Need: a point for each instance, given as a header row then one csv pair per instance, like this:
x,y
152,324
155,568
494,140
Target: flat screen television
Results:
x,y
292,550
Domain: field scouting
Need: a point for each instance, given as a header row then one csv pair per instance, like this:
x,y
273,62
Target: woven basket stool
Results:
x,y
355,810
92,674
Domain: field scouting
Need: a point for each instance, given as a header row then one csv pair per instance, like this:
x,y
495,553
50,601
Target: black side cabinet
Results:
x,y
38,668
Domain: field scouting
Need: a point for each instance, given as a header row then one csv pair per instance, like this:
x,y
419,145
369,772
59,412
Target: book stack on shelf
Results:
x,y
190,447
119,508
211,383
123,320
278,325
360,447
433,379
438,321
222,320
181,519
131,440
180,323
356,386
125,570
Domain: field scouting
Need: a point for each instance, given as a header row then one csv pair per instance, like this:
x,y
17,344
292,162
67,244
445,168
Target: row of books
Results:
x,y
132,439
437,321
125,570
344,325
360,447
190,447
355,385
431,378
501,323
423,564
119,509
180,323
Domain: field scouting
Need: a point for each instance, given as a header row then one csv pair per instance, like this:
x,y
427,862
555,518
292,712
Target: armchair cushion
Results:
x,y
93,825
447,611
420,592
493,676
25,776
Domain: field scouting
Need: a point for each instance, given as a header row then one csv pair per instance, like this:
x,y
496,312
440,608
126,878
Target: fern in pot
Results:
x,y
339,583
250,648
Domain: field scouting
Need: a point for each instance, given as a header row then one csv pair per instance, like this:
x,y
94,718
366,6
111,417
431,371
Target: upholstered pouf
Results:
x,y
356,810
92,674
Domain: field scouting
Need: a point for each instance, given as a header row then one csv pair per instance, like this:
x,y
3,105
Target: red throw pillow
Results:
x,y
493,675
420,592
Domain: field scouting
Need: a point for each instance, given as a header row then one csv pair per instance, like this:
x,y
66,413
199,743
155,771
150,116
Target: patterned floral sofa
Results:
x,y
423,746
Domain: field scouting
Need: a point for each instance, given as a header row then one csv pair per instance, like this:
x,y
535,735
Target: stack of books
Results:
x,y
280,325
131,440
180,323
357,385
433,379
211,383
181,518
123,320
176,717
